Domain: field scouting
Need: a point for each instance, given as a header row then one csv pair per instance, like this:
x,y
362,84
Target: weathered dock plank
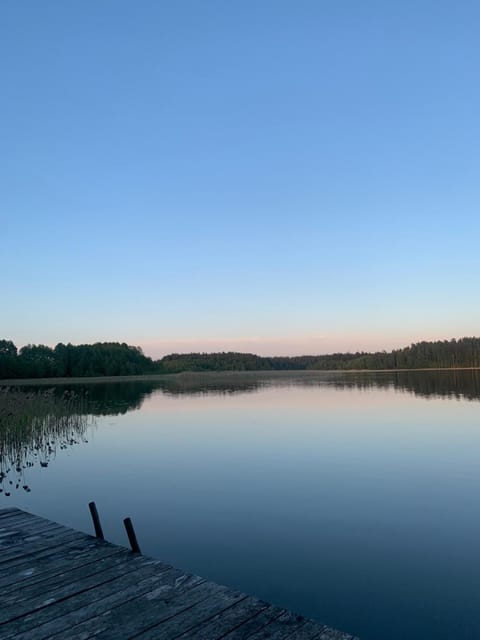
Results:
x,y
59,583
228,620
186,617
254,624
32,546
29,573
84,612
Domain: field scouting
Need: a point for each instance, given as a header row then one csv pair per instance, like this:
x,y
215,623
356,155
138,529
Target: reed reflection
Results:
x,y
36,423
34,426
118,398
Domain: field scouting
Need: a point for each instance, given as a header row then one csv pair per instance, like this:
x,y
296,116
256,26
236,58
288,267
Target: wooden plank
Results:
x,y
8,511
24,523
56,583
248,628
18,536
172,617
68,543
280,628
17,515
35,546
309,631
62,591
38,569
227,620
154,607
62,615
94,615
62,577
327,633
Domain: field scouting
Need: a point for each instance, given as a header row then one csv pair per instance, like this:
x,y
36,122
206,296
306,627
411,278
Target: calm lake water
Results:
x,y
350,498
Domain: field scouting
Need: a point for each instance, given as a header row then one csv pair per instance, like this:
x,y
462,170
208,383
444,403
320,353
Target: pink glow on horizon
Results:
x,y
282,346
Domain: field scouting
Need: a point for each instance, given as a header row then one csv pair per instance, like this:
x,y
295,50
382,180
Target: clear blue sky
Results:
x,y
271,176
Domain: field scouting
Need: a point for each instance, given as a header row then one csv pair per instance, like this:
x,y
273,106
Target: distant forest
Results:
x,y
120,359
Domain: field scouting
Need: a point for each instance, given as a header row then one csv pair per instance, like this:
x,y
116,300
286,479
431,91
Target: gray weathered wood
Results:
x,y
227,620
10,511
95,615
255,624
15,533
6,510
189,618
40,568
65,577
65,544
151,609
332,634
281,627
34,546
65,590
18,536
17,515
60,616
57,583
310,631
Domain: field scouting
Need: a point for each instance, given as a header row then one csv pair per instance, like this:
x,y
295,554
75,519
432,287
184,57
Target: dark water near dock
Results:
x,y
350,498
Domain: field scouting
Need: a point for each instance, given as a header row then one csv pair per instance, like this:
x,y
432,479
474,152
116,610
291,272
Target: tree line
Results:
x,y
121,359
67,360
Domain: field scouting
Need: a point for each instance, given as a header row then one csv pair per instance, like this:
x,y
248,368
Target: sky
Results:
x,y
282,177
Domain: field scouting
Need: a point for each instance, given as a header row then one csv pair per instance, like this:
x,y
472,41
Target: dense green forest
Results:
x,y
100,359
118,359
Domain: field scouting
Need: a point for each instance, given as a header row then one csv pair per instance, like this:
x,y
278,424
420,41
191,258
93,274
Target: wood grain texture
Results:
x,y
59,583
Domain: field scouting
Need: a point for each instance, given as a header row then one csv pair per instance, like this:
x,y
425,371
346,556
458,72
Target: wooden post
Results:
x,y
132,538
96,520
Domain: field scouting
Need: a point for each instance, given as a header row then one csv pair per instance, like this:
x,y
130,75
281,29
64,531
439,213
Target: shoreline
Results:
x,y
8,382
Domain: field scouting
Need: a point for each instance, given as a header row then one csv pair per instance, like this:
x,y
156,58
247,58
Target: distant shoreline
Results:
x,y
9,382
120,361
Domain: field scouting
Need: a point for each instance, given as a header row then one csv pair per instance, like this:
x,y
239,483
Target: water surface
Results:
x,y
350,498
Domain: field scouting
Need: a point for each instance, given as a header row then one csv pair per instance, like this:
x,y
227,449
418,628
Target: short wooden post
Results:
x,y
132,538
96,520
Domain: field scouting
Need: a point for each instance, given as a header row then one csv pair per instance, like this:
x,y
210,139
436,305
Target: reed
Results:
x,y
34,426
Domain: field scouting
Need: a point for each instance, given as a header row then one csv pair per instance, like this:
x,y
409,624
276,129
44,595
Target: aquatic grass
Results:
x,y
34,425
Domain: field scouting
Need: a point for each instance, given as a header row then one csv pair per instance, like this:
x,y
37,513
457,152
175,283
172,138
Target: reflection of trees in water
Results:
x,y
116,398
439,384
34,425
216,383
436,384
110,398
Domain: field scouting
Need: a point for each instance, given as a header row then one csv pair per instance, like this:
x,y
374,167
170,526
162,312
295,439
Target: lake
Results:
x,y
352,498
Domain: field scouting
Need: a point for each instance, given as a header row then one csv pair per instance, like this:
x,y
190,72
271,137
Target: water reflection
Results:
x,y
437,384
35,423
34,426
117,398
339,495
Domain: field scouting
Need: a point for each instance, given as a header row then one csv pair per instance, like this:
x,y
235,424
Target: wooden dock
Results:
x,y
59,583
